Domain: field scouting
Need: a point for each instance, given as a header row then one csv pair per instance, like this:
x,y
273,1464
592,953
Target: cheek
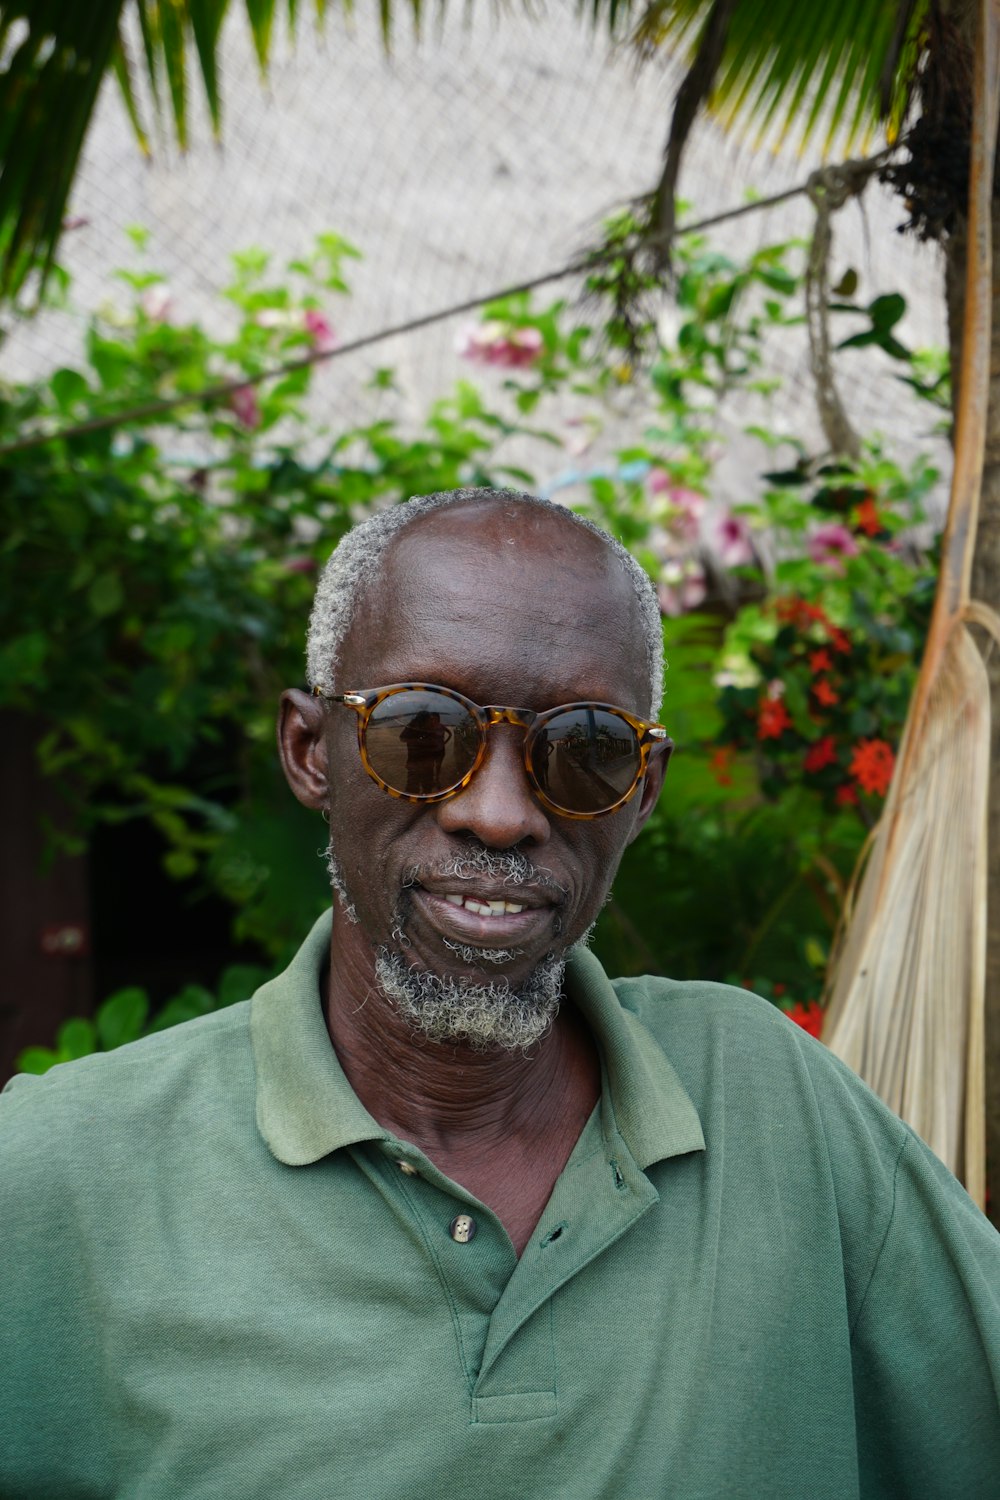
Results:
x,y
595,852
371,838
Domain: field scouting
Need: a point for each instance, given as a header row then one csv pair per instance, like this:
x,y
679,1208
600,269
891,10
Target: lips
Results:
x,y
485,917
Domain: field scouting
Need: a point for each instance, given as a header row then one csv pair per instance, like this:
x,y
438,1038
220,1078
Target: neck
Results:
x,y
447,1097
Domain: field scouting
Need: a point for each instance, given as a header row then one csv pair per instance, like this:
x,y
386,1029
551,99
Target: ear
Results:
x,y
652,784
302,747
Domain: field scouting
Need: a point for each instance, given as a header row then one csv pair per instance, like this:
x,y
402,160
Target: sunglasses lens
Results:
x,y
586,759
420,742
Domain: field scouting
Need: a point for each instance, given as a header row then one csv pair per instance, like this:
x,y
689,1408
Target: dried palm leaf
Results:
x,y
906,983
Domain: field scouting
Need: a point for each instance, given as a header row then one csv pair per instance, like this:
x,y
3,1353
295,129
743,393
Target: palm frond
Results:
x,y
907,984
853,62
906,997
207,17
55,56
48,88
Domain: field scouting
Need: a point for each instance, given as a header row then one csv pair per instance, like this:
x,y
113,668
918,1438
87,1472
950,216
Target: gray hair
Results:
x,y
355,561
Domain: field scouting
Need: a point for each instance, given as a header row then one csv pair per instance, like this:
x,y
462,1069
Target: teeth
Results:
x,y
484,908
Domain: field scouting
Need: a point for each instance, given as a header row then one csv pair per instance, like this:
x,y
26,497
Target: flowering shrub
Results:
x,y
159,652
816,680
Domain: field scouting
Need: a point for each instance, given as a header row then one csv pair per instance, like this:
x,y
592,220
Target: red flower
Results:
x,y
772,719
840,640
866,517
820,661
825,693
846,795
823,753
809,1016
872,765
797,612
720,763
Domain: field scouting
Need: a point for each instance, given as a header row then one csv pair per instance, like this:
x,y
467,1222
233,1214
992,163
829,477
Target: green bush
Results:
x,y
156,577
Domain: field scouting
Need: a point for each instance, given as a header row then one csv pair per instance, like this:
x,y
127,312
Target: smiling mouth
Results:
x,y
484,918
483,907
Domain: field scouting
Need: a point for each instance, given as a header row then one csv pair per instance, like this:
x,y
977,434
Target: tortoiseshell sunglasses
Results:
x,y
424,743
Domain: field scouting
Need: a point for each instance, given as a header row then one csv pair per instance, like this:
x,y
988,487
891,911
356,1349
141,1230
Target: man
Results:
x,y
444,1211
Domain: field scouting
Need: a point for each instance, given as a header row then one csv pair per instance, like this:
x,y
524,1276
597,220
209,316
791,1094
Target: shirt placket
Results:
x,y
501,1306
466,1242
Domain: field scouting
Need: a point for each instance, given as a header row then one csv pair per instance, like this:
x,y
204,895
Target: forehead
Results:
x,y
506,602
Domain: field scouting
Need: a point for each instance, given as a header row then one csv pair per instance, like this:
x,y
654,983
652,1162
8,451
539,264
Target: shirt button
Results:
x,y
463,1228
407,1168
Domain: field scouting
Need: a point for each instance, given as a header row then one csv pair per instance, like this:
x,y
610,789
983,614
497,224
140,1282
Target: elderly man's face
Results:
x,y
511,606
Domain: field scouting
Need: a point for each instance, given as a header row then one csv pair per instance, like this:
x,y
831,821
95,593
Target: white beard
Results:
x,y
482,1013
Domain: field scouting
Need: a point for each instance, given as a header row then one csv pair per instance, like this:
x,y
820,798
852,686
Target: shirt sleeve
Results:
x,y
926,1342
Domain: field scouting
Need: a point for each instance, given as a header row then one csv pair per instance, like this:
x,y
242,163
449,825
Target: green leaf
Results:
x,y
261,16
77,1038
105,595
180,864
123,73
239,982
847,285
121,1018
22,658
885,312
206,23
36,1060
192,1001
173,42
68,387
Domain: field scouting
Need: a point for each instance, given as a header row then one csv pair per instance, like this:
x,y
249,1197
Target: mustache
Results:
x,y
507,866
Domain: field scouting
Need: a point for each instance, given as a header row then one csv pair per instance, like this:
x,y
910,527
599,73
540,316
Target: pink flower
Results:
x,y
682,587
683,510
497,343
300,564
245,406
686,510
730,536
156,303
830,544
319,329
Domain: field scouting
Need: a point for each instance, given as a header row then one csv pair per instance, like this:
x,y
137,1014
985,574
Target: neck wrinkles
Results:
x,y
446,1095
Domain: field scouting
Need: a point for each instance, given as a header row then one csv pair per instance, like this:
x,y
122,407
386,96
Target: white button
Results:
x,y
463,1228
407,1168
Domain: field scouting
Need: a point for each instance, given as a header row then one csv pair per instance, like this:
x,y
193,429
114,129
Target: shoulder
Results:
x,y
786,1110
736,1051
689,1017
80,1114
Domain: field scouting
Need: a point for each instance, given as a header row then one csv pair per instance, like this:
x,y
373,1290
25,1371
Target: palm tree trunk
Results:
x,y
986,588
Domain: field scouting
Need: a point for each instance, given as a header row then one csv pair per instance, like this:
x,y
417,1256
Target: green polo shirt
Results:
x,y
222,1278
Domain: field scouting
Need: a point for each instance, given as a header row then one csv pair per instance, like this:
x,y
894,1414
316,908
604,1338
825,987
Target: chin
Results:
x,y
482,1011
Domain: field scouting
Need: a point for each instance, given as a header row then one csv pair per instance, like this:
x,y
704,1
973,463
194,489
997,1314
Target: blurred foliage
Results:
x,y
155,579
124,1017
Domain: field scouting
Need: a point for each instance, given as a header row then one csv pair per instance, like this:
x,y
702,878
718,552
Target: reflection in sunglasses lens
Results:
x,y
419,742
586,759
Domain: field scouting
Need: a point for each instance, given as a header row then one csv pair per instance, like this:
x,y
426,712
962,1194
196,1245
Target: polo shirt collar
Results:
x,y
653,1112
306,1108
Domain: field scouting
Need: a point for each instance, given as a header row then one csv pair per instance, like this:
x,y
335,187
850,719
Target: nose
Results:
x,y
498,807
